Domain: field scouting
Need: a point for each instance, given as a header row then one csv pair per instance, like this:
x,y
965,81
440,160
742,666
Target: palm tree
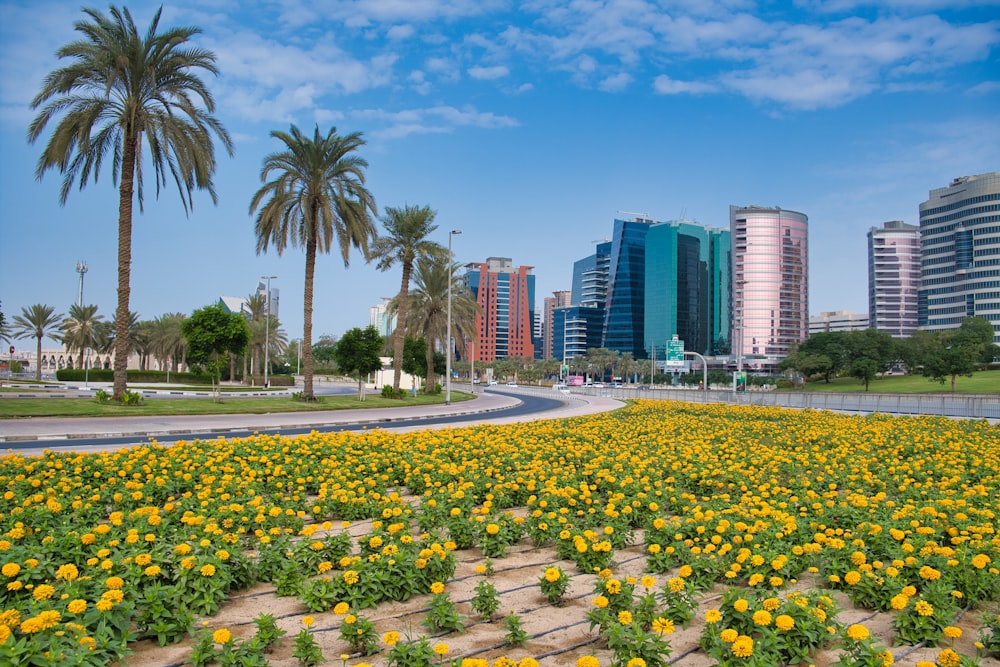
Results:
x,y
317,198
429,315
120,87
81,329
35,322
256,304
166,340
406,242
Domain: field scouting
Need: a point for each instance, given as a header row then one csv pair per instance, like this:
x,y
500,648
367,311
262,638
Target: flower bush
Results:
x,y
100,550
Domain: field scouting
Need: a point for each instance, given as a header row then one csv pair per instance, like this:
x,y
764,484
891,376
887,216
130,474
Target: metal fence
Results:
x,y
974,406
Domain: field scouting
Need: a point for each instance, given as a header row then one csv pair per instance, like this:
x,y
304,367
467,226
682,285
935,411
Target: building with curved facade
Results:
x,y
893,278
770,273
960,254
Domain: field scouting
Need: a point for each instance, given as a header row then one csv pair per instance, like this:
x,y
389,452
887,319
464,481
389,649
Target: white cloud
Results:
x,y
615,83
400,32
664,85
431,120
488,73
985,88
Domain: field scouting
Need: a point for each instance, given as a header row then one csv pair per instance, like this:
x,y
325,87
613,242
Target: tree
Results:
x,y
429,314
123,90
357,354
36,322
405,242
80,330
415,359
211,332
871,353
317,198
166,340
826,353
958,351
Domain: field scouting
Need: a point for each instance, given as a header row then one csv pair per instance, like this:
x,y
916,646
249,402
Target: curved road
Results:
x,y
527,404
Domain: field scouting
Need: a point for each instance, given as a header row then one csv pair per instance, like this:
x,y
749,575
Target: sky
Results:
x,y
529,126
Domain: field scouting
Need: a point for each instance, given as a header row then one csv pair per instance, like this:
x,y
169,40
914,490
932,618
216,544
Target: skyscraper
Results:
x,y
590,278
506,297
559,299
625,309
960,254
894,278
687,287
770,250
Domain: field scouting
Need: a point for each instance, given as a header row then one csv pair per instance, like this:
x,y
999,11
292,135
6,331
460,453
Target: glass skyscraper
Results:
x,y
770,250
960,254
894,278
687,288
624,314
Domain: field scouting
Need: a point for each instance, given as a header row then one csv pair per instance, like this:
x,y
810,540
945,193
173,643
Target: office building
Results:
x,y
559,299
590,277
837,320
960,254
770,251
575,330
506,297
625,305
380,318
687,288
893,278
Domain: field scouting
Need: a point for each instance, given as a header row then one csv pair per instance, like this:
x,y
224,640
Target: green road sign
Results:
x,y
675,352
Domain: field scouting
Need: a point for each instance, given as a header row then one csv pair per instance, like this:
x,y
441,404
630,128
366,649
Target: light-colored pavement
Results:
x,y
485,403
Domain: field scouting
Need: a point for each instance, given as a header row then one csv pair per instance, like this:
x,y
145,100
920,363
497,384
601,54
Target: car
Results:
x,y
561,387
492,382
511,384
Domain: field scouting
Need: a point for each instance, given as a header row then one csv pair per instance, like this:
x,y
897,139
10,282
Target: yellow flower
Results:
x,y
104,605
613,586
390,638
207,570
924,608
492,529
437,588
77,606
341,608
480,569
351,577
43,592
980,561
527,661
600,602
152,571
441,649
10,569
587,661
858,632
743,647
222,636
729,635
675,584
552,574
784,622
741,605
636,662
308,621
663,626
899,602
852,577
952,632
67,572
625,617
948,658
713,616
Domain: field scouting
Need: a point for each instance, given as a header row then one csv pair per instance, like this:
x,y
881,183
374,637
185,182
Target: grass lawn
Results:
x,y
11,408
983,382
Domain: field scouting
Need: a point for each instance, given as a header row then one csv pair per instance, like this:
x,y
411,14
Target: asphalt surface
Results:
x,y
102,433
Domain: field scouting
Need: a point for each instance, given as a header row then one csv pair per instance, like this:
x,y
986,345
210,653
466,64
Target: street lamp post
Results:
x,y
267,329
447,352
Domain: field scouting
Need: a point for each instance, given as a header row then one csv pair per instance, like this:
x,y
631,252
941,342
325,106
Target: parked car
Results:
x,y
492,382
511,384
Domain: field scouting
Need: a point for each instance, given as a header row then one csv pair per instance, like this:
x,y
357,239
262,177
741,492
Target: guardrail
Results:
x,y
969,406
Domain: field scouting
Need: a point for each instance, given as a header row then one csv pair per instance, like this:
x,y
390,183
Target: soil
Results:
x,y
558,635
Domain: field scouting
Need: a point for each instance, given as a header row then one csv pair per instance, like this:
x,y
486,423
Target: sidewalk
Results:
x,y
68,428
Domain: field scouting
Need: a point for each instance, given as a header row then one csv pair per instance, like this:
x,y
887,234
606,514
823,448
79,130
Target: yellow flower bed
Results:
x,y
897,513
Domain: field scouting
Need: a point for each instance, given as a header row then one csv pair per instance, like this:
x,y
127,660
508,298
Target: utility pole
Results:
x,y
81,268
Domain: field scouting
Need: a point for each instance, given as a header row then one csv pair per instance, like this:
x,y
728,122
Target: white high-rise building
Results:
x,y
894,278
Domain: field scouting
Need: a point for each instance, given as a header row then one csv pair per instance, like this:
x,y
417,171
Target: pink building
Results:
x,y
770,254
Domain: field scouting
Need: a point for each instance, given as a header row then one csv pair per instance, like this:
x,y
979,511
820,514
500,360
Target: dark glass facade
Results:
x,y
624,315
687,288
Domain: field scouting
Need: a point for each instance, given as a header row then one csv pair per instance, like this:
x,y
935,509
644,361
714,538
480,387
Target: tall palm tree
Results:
x,y
405,241
35,322
256,304
120,87
429,315
81,329
317,198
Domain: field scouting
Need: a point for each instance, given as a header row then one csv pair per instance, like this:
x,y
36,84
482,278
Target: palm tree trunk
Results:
x,y
307,312
38,359
125,192
430,367
400,333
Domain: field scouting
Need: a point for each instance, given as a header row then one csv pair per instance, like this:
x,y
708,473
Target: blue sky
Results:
x,y
528,125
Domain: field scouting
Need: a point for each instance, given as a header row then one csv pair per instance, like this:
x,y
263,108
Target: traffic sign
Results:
x,y
675,352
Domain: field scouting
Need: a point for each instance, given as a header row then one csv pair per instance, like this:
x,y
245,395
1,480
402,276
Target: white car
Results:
x,y
493,382
511,384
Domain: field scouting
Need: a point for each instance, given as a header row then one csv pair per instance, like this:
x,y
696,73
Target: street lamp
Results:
x,y
447,352
267,328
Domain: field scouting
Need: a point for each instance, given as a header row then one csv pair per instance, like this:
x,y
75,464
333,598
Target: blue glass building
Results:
x,y
624,314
